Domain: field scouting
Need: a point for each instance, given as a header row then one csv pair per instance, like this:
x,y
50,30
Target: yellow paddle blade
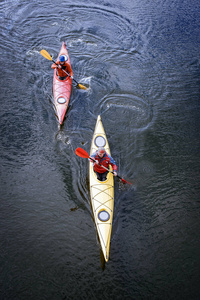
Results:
x,y
82,86
46,54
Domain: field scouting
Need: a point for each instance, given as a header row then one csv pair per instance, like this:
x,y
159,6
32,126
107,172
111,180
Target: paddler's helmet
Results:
x,y
101,150
63,58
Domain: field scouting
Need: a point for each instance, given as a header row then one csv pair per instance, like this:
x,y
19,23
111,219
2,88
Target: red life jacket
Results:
x,y
106,160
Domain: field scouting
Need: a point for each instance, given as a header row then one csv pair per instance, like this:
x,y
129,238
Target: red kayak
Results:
x,y
62,89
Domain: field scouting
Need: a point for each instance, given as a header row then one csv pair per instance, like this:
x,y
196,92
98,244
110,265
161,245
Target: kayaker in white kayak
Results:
x,y
101,157
61,65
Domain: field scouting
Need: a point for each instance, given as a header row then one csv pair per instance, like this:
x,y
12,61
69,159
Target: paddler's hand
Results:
x,y
114,173
93,161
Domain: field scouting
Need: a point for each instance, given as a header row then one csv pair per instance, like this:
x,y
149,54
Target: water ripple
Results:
x,y
129,110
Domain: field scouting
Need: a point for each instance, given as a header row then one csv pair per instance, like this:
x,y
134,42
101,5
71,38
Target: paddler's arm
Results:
x,y
114,165
93,159
69,70
55,65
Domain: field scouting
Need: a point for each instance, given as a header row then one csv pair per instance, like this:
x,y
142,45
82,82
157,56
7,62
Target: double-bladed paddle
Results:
x,y
82,153
48,56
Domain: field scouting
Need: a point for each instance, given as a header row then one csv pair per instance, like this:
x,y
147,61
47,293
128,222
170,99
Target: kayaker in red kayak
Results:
x,y
62,66
101,157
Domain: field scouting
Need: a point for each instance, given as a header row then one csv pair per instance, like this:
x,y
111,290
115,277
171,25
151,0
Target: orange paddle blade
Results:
x,y
82,153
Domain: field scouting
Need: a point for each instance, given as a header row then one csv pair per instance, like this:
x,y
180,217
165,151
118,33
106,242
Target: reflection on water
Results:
x,y
140,63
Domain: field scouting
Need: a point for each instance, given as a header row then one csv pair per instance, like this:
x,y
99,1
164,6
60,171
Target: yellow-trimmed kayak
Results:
x,y
102,193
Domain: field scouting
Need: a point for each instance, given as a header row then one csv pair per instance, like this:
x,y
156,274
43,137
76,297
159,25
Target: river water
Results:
x,y
140,60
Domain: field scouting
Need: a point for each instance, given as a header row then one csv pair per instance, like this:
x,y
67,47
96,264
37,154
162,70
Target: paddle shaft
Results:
x,y
64,71
48,56
70,76
103,166
82,153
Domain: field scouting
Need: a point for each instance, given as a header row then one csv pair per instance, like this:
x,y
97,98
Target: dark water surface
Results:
x,y
141,61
